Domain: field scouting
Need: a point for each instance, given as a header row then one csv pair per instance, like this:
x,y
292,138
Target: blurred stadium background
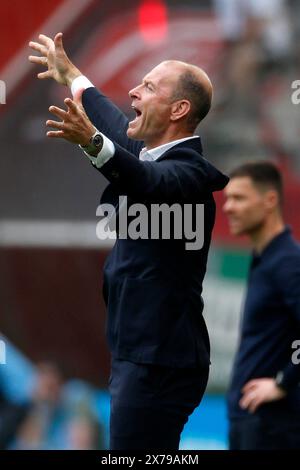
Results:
x,y
52,316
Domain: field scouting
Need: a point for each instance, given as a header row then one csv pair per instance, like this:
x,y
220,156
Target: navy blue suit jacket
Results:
x,y
152,288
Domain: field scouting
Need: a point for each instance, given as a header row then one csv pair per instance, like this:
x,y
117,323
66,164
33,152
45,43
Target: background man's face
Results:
x,y
152,103
245,206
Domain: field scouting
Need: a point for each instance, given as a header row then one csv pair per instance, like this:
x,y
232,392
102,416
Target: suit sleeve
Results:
x,y
177,177
109,119
288,281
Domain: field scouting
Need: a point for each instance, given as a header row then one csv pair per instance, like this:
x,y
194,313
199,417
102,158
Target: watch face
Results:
x,y
97,140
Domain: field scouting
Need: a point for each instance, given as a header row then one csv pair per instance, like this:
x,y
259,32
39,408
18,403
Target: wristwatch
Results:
x,y
279,380
95,145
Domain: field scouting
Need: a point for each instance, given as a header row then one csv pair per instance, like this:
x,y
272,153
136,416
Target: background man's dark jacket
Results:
x,y
270,325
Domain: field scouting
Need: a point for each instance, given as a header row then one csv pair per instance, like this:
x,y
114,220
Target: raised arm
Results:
x,y
109,119
103,114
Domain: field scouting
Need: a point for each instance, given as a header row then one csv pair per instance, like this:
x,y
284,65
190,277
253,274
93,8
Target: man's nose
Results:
x,y
227,207
134,93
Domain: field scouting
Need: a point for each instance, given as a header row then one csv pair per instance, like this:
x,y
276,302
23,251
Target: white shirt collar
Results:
x,y
155,153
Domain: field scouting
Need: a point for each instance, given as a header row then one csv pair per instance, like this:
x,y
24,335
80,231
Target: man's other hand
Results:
x,y
74,126
54,58
259,391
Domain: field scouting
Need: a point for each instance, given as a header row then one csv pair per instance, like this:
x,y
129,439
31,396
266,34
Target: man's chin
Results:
x,y
236,231
133,133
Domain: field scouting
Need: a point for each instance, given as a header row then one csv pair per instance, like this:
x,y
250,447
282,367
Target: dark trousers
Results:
x,y
279,431
150,404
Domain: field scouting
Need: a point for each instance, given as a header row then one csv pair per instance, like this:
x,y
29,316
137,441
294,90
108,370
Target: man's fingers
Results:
x,y
38,47
57,134
255,403
61,113
249,386
247,399
244,402
71,105
45,40
55,124
251,401
58,42
43,75
38,60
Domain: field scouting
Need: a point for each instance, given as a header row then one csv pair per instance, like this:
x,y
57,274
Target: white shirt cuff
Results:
x,y
79,83
108,148
105,154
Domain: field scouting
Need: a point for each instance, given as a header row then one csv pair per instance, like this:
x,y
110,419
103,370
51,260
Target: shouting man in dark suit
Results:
x,y
152,287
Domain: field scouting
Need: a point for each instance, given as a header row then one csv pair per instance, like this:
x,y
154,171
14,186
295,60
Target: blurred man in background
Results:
x,y
264,395
54,419
42,428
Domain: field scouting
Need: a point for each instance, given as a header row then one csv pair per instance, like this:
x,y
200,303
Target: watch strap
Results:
x,y
91,147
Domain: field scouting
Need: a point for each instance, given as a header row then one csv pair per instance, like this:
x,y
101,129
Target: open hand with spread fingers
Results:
x,y
74,126
54,58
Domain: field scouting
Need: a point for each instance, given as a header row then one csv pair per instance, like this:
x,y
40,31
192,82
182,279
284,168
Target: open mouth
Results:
x,y
137,112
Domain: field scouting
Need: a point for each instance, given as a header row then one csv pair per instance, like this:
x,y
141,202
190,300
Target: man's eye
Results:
x,y
149,86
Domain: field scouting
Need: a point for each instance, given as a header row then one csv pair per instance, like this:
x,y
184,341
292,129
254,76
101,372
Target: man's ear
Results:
x,y
271,199
180,109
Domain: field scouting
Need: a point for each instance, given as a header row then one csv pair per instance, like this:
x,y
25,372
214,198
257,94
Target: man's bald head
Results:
x,y
169,103
194,85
